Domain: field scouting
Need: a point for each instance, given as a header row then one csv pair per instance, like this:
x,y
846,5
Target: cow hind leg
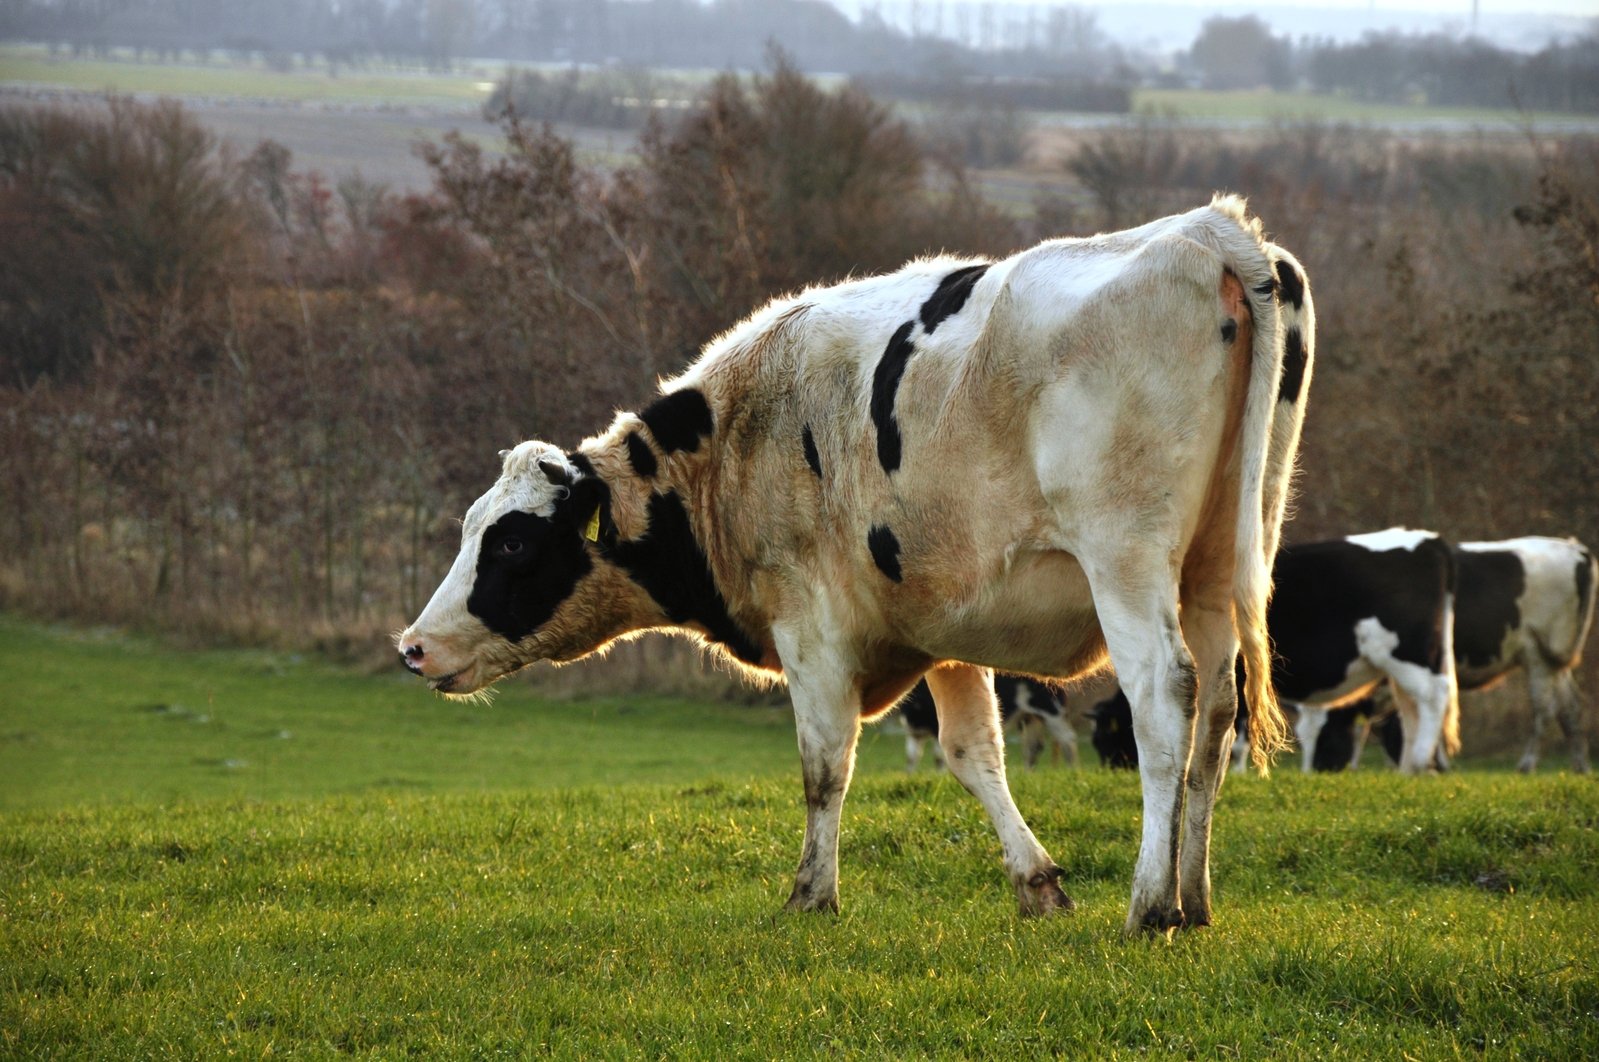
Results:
x,y
1570,697
1137,609
1214,643
1307,730
974,752
1432,700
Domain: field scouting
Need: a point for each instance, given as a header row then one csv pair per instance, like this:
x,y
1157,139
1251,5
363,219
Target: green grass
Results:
x,y
506,903
98,717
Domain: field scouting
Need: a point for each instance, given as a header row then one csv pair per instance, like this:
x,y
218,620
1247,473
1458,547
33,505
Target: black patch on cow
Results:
x,y
1113,732
668,562
918,711
885,388
950,295
640,456
526,566
1491,584
1292,284
1323,589
581,462
1041,699
812,458
678,420
1229,331
1293,376
1185,686
885,551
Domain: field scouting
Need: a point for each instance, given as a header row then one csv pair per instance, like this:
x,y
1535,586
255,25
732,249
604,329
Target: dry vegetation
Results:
x,y
241,401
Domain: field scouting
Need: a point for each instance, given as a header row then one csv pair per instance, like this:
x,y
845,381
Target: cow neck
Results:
x,y
646,530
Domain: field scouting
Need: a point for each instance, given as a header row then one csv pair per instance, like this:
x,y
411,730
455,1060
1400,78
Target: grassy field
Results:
x,y
223,80
239,853
1265,105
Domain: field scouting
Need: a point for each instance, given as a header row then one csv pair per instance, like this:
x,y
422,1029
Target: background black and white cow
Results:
x,y
1349,613
1080,451
1338,743
1037,709
1528,603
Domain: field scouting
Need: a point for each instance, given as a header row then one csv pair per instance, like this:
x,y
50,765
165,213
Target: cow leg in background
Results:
x,y
1033,739
1210,635
1307,728
968,729
1357,740
1431,694
1570,716
827,719
1065,737
1554,695
1137,609
913,751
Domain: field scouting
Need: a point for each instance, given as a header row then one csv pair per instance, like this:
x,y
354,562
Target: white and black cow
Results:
x,y
1528,603
1349,613
1039,710
1338,743
1026,464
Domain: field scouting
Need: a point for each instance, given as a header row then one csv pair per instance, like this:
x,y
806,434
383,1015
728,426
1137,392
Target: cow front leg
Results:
x,y
827,722
968,730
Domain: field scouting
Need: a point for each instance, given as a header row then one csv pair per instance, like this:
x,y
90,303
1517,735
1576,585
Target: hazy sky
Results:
x,y
1580,8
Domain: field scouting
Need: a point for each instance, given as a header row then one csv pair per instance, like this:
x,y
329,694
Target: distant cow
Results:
x,y
1028,702
1024,465
1528,603
1338,743
1348,614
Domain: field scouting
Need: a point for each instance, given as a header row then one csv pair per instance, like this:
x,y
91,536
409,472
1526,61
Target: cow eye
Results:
x,y
510,547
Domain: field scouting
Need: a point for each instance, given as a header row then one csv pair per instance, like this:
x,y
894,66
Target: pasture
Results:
x,y
208,853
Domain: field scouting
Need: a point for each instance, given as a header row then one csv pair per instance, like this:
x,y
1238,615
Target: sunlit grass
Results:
x,y
397,874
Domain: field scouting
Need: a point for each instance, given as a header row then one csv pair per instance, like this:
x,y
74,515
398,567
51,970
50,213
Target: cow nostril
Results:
x,y
414,651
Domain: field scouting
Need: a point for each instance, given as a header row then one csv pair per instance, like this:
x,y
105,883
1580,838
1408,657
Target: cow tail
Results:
x,y
1587,577
1284,339
1450,735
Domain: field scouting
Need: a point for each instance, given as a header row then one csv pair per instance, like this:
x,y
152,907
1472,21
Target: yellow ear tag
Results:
x,y
592,531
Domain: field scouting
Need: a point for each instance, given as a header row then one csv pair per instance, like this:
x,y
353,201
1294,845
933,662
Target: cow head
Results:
x,y
527,582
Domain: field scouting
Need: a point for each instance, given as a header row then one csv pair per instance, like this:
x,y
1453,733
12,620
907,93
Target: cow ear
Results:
x,y
588,510
556,471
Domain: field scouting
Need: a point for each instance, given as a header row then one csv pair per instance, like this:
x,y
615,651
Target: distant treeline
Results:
x,y
1241,53
715,35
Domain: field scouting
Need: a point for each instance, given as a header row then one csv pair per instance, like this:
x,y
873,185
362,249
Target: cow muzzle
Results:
x,y
446,671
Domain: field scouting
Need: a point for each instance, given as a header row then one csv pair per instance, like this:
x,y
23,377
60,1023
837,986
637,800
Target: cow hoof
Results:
x,y
1196,920
1155,922
1041,894
803,898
